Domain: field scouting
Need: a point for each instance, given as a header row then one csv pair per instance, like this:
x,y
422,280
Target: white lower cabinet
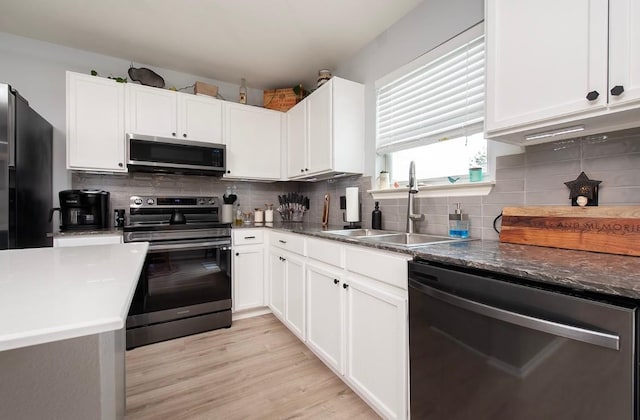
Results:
x,y
376,335
357,320
248,277
325,315
287,289
248,265
277,275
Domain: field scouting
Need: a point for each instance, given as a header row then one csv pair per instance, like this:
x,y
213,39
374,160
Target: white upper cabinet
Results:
x,y
199,118
330,137
297,139
624,52
151,111
553,75
95,123
166,113
253,137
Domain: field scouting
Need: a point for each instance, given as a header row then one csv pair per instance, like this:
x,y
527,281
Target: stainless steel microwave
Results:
x,y
158,154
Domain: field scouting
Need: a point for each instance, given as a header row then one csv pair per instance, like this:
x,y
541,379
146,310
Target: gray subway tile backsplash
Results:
x,y
535,177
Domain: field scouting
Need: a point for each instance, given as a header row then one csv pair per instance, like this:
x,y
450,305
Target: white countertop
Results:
x,y
51,294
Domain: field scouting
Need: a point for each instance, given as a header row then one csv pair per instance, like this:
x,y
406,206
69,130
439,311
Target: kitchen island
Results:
x,y
63,313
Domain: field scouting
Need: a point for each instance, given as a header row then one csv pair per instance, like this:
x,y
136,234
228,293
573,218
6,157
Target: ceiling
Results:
x,y
271,43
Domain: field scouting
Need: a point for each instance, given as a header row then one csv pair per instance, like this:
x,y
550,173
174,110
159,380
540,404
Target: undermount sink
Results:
x,y
393,238
410,239
360,232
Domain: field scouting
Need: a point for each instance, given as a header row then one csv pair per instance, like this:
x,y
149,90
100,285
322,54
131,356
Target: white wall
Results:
x,y
428,25
37,70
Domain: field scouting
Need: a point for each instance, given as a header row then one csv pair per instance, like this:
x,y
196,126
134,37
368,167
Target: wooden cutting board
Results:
x,y
612,230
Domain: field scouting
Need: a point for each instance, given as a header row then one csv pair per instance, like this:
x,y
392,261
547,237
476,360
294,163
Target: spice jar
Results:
x,y
258,216
268,213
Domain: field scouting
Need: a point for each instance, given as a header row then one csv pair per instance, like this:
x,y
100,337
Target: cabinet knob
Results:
x,y
120,164
237,254
306,169
173,134
593,95
184,135
345,286
301,170
617,90
228,172
336,281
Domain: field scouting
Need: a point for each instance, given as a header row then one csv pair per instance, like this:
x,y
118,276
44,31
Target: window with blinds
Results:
x,y
439,96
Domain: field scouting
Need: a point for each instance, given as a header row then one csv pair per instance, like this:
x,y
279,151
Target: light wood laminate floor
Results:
x,y
256,369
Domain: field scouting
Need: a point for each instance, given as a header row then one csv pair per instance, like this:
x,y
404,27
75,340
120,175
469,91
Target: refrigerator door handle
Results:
x,y
11,128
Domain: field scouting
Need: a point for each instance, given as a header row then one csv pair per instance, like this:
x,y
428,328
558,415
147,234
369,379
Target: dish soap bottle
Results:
x,y
376,218
458,223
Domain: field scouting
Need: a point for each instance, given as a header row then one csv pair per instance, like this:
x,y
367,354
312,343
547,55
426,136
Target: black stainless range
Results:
x,y
185,285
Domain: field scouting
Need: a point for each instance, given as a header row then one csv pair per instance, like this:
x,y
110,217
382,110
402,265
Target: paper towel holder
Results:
x,y
353,225
343,206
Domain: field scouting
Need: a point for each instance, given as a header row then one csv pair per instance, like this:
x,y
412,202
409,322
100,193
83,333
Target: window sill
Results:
x,y
442,190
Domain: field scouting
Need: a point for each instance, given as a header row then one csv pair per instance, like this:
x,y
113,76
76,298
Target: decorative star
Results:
x,y
585,187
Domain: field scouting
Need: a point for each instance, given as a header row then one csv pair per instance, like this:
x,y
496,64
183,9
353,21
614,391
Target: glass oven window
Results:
x,y
183,278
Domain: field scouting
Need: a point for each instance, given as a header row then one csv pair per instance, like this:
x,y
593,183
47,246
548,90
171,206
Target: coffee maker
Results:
x,y
83,210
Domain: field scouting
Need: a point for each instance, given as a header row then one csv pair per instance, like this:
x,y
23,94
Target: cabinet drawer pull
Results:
x,y
237,254
249,237
344,286
336,281
281,241
184,135
120,164
617,90
173,134
593,95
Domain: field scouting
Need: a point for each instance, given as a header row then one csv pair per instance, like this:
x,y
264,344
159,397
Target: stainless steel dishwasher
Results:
x,y
488,347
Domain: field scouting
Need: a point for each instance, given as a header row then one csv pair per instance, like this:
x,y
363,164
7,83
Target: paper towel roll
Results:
x,y
353,208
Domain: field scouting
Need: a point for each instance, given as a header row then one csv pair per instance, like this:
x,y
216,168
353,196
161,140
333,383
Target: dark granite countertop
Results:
x,y
579,270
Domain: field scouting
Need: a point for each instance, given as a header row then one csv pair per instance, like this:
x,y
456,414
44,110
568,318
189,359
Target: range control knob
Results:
x,y
137,201
212,202
150,201
201,201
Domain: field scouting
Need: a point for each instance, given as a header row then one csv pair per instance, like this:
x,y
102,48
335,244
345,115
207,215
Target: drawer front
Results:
x,y
290,242
248,236
389,268
330,252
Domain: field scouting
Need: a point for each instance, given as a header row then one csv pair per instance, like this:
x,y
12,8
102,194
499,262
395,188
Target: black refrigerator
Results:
x,y
25,174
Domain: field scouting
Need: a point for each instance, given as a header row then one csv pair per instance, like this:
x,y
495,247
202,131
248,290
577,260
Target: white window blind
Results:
x,y
437,97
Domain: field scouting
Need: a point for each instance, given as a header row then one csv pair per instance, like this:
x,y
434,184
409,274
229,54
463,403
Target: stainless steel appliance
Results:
x,y
83,210
185,285
25,173
486,347
157,154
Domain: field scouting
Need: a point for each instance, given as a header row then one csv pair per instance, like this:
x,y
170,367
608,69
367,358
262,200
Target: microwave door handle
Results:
x,y
597,338
155,247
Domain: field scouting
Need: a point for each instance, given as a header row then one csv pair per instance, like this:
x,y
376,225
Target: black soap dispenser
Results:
x,y
376,218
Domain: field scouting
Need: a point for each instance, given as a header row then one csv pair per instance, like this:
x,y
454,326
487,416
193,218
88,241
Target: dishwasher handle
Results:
x,y
597,338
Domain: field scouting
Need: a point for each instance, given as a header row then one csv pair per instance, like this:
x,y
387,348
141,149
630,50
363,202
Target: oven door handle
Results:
x,y
161,247
597,338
